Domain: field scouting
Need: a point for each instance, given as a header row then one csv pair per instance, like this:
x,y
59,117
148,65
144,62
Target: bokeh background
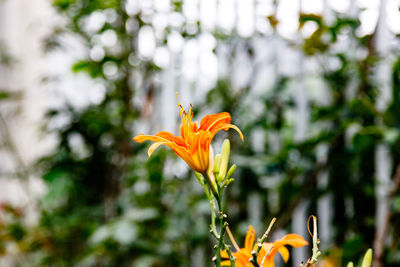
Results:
x,y
313,84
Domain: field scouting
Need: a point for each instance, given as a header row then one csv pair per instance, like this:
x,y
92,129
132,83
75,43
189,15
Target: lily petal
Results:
x,y
159,137
250,237
226,127
154,147
224,254
284,253
213,121
225,263
294,240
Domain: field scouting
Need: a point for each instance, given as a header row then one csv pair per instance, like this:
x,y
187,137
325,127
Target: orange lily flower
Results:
x,y
243,256
193,146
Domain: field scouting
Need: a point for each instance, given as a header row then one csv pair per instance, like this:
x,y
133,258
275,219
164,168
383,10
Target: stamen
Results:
x,y
177,100
185,118
190,112
179,106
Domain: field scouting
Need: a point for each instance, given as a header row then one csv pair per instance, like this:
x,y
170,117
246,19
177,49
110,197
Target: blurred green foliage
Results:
x,y
109,205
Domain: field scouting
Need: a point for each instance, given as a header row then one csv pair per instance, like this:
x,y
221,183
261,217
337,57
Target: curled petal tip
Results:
x,y
240,134
237,130
153,147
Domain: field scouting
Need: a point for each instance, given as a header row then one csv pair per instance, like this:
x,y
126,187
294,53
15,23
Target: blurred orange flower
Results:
x,y
243,256
193,146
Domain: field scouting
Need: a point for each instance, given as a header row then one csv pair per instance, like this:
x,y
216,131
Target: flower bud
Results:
x,y
231,171
217,163
228,182
367,259
350,264
226,148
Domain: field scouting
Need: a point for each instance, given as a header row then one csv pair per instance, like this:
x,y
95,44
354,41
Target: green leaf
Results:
x,y
5,95
92,68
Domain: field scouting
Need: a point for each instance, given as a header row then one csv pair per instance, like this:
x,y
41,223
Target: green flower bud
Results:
x,y
367,259
350,264
226,148
231,171
217,163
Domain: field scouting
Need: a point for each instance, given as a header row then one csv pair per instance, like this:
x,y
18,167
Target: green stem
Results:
x,y
260,243
220,244
223,224
213,225
211,184
316,253
220,238
231,257
216,197
254,259
265,236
